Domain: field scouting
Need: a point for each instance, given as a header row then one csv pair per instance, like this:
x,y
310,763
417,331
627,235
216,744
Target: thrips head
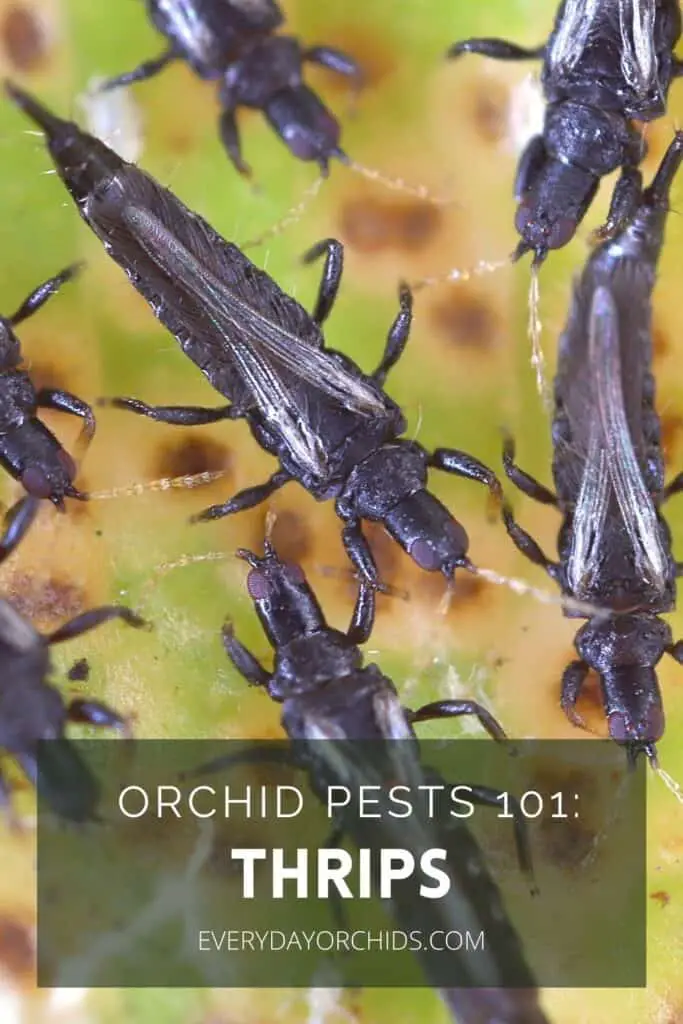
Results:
x,y
286,605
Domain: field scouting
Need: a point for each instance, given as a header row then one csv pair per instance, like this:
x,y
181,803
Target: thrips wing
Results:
x,y
571,35
257,344
635,502
589,518
638,57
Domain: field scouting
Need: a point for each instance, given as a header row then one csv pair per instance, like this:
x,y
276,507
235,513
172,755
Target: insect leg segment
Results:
x,y
363,617
94,712
332,275
397,337
573,678
525,483
452,460
625,201
92,619
148,69
177,415
230,135
455,709
243,660
64,401
486,796
356,546
17,521
525,543
672,488
335,60
498,49
248,498
676,650
43,292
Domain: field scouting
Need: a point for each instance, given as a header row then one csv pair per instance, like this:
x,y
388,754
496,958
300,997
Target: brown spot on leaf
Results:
x,y
466,319
17,952
24,38
489,107
660,342
372,224
191,455
79,671
46,602
291,537
662,897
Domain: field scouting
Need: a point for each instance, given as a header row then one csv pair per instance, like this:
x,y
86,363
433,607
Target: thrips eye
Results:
x,y
424,554
36,482
258,585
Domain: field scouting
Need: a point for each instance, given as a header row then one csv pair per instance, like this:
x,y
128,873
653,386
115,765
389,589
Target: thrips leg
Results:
x,y
332,275
92,619
499,49
363,617
397,337
527,484
247,498
676,650
42,293
451,460
178,415
141,73
64,401
527,545
573,678
357,548
94,712
675,487
625,199
230,137
334,60
243,660
488,797
17,521
454,709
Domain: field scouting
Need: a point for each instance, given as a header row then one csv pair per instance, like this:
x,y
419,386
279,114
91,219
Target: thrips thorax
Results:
x,y
332,427
605,63
614,546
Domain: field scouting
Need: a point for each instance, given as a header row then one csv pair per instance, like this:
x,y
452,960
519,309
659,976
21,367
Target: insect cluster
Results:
x,y
333,429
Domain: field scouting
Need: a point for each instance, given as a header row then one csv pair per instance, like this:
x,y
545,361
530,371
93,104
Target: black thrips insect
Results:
x,y
327,694
333,428
232,40
614,546
31,709
28,450
604,63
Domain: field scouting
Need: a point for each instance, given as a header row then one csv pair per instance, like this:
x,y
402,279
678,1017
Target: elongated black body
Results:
x,y
332,428
28,450
328,694
31,708
614,546
232,42
605,63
